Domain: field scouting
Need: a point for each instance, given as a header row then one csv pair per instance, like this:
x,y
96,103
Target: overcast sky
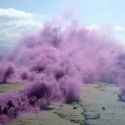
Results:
x,y
17,16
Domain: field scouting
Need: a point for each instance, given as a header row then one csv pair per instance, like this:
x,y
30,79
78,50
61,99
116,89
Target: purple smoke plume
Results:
x,y
54,62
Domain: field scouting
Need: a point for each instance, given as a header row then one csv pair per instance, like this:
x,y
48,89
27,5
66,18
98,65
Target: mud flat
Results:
x,y
57,114
99,105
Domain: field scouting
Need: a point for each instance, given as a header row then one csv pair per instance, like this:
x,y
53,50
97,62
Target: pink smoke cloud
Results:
x,y
55,62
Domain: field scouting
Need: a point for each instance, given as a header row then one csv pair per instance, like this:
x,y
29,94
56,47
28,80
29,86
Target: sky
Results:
x,y
17,16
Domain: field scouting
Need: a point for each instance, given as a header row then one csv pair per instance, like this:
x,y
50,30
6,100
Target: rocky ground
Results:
x,y
99,105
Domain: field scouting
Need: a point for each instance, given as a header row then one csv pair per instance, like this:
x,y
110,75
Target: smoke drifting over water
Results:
x,y
55,62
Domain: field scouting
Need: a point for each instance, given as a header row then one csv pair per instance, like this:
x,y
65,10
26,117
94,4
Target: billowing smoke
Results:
x,y
54,62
